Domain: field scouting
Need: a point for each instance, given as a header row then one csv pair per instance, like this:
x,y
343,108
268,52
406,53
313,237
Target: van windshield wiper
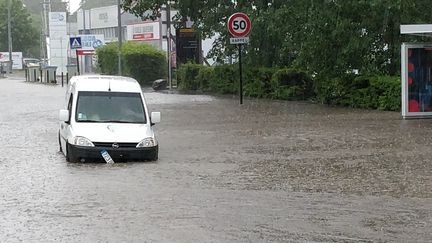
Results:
x,y
90,121
119,121
110,121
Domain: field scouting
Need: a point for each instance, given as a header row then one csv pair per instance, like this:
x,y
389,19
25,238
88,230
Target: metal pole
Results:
x,y
119,37
10,35
61,53
168,14
241,77
78,62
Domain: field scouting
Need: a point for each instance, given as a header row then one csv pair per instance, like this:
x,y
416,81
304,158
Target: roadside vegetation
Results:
x,y
348,50
25,32
143,62
358,91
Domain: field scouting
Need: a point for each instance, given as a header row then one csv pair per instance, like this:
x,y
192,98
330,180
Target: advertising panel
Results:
x,y
16,59
57,19
144,32
91,42
188,46
416,80
103,17
58,41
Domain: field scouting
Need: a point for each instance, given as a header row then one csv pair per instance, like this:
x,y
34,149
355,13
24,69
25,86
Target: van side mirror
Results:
x,y
155,117
64,115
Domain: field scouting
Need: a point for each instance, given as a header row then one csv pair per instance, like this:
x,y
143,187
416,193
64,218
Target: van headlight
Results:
x,y
82,141
147,143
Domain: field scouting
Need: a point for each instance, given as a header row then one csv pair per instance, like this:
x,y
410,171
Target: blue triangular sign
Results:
x,y
75,42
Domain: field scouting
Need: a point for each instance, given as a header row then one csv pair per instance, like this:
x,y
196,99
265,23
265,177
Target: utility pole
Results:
x,y
168,14
10,35
120,33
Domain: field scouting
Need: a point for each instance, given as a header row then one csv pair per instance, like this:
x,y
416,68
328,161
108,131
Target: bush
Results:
x,y
258,82
291,84
108,59
371,92
288,84
188,76
389,90
205,77
225,79
144,62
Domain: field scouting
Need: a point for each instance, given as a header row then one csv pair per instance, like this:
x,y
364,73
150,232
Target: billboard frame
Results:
x,y
406,114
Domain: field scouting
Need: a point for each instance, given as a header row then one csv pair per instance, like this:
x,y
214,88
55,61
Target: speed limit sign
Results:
x,y
239,25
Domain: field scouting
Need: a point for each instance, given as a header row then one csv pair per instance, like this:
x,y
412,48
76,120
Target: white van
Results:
x,y
107,113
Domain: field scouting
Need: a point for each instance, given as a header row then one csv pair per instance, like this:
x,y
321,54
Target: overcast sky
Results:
x,y
74,5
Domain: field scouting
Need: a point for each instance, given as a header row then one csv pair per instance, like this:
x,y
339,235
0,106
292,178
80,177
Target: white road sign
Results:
x,y
239,40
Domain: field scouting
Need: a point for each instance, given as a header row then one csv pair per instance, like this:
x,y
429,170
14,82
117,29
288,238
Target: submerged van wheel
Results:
x,y
154,155
60,147
70,157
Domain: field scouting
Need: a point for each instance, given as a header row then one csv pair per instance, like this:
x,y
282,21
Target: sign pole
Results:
x,y
120,32
78,64
241,75
239,26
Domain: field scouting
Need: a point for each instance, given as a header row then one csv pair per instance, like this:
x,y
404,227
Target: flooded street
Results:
x,y
267,171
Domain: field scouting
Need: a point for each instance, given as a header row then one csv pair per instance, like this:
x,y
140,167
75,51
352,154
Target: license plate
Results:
x,y
107,157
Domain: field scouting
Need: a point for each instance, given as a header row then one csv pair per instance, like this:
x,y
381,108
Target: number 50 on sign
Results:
x,y
239,25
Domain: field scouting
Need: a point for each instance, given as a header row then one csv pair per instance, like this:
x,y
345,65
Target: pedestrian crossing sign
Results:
x,y
75,43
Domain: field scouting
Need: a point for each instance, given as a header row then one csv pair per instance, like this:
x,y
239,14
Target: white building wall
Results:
x,y
104,17
81,18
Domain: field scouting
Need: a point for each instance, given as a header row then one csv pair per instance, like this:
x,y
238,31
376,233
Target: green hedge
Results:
x,y
143,62
272,83
108,59
371,92
188,76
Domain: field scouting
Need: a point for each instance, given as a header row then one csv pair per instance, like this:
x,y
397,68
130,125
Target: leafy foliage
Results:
x,y
24,34
272,83
108,58
141,61
322,37
144,62
371,92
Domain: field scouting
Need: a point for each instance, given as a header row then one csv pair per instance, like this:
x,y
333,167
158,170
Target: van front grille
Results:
x,y
112,145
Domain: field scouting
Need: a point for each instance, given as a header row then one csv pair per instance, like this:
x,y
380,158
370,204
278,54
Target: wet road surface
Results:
x,y
267,171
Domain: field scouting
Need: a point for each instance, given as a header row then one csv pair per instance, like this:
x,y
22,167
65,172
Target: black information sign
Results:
x,y
188,46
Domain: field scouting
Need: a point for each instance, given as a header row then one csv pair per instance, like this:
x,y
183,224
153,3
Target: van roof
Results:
x,y
105,83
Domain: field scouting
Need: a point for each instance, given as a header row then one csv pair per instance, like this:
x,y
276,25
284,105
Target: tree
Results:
x,y
325,37
25,36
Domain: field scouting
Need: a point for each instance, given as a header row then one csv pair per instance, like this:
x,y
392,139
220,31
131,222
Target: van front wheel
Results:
x,y
154,155
60,146
70,157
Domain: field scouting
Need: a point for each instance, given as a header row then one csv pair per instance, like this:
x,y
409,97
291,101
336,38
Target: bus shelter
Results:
x,y
416,73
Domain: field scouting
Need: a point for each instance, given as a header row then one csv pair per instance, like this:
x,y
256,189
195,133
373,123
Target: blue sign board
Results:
x,y
75,42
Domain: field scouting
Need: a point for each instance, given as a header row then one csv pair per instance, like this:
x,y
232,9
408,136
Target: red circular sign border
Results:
x,y
248,22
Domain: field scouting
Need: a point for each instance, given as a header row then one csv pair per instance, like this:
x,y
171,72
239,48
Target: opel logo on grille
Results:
x,y
115,145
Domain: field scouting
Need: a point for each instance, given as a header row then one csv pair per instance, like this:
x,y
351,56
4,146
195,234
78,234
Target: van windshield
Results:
x,y
110,107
